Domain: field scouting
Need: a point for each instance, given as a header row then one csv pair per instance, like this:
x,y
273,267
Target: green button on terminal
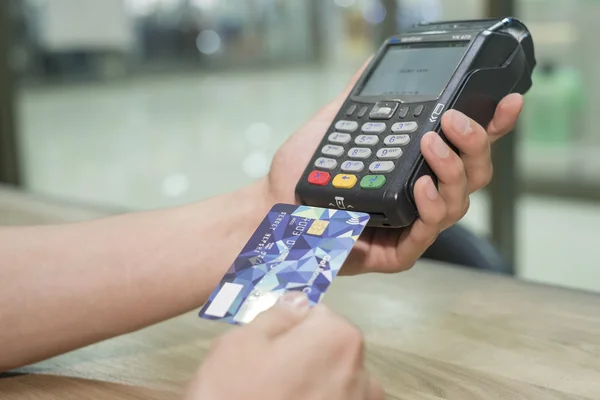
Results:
x,y
372,182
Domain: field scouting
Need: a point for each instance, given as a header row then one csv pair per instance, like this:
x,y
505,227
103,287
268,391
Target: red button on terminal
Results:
x,y
319,178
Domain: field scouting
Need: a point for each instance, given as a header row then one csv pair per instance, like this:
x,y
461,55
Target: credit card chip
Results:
x,y
318,228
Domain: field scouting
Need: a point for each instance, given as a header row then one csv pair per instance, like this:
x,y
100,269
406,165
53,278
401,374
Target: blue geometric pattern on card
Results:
x,y
294,248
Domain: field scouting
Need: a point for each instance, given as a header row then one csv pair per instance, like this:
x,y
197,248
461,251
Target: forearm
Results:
x,y
64,287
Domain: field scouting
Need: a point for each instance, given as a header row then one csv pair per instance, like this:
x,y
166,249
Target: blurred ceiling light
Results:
x,y
345,3
208,42
256,165
176,185
374,12
258,134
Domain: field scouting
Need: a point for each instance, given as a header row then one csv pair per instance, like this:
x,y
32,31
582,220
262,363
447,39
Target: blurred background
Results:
x,y
120,105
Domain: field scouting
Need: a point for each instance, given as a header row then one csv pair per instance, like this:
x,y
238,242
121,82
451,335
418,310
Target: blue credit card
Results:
x,y
294,248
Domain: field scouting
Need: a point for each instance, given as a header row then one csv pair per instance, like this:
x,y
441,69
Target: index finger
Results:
x,y
291,309
506,116
324,333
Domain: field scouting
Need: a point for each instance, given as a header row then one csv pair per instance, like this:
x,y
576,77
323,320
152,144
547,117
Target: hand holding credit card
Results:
x,y
295,248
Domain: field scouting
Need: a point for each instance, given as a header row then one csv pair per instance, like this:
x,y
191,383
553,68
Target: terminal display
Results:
x,y
419,71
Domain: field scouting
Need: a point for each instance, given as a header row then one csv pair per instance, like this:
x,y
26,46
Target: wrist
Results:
x,y
262,198
248,205
220,227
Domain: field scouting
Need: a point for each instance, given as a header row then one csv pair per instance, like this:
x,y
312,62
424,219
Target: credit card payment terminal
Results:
x,y
370,157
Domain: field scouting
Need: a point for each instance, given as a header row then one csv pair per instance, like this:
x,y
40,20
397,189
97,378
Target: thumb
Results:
x,y
291,309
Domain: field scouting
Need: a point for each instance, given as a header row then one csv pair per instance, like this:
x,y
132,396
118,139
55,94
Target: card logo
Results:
x,y
412,39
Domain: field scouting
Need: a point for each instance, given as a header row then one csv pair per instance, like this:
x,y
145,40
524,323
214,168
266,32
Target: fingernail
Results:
x,y
297,300
461,123
439,147
432,192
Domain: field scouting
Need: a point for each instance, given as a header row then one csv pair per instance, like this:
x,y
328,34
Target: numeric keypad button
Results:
x,y
326,163
397,140
360,153
332,150
405,127
374,127
346,126
353,166
340,138
390,154
382,166
367,140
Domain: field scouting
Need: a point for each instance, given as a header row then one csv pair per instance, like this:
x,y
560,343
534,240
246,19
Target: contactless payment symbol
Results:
x,y
437,112
354,221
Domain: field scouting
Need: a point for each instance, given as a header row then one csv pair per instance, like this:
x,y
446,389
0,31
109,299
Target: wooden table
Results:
x,y
433,333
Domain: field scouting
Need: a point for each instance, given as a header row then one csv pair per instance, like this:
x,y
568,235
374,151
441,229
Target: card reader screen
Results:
x,y
414,71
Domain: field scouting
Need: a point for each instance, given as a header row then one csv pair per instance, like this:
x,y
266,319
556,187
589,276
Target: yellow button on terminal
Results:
x,y
345,181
